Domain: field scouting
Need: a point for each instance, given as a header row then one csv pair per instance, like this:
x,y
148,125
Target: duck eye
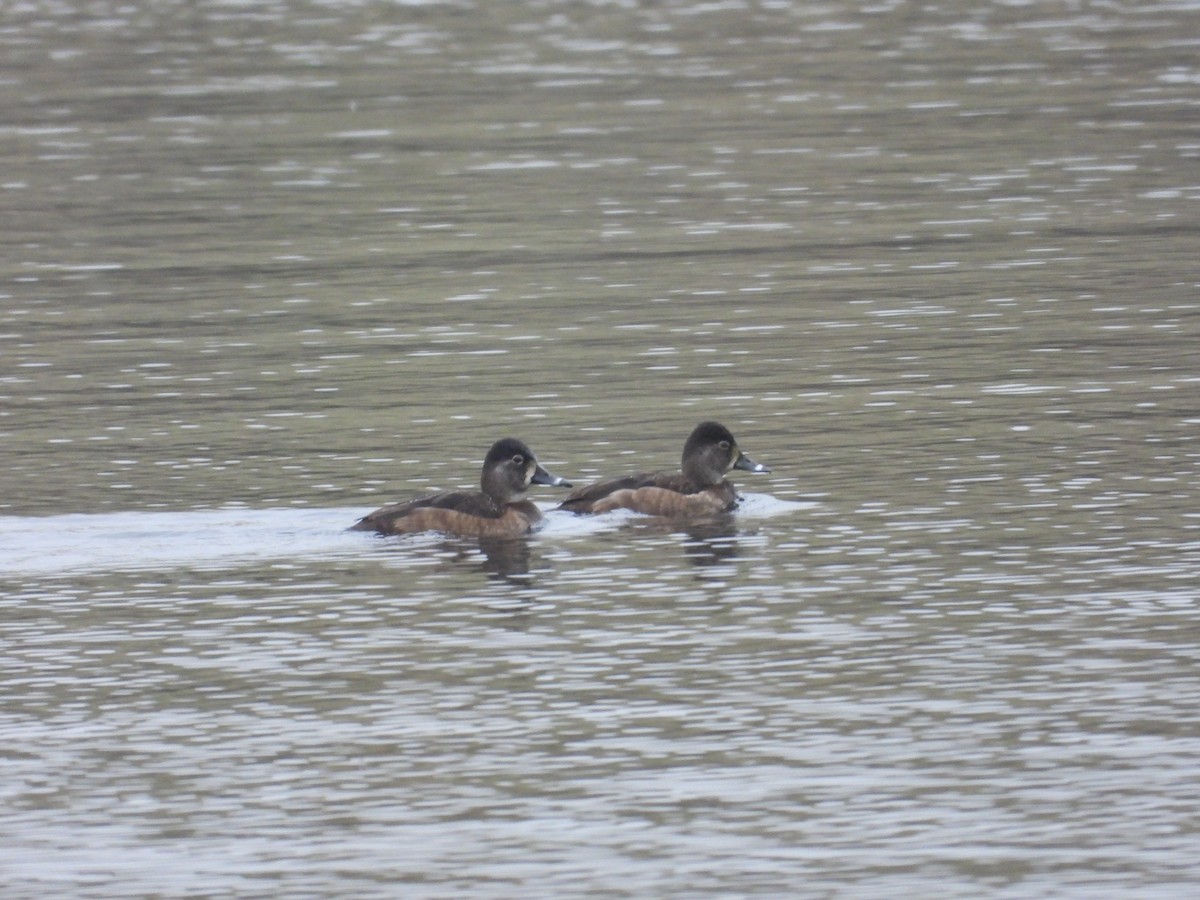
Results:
x,y
518,460
724,445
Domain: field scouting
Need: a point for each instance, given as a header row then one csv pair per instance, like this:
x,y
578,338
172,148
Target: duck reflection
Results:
x,y
711,542
500,559
506,559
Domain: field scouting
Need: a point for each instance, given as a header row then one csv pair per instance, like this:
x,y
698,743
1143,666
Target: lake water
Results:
x,y
268,266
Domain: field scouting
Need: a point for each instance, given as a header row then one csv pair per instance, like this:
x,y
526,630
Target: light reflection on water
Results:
x,y
268,267
731,701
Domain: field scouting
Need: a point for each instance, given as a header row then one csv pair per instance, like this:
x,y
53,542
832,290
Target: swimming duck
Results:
x,y
500,510
700,489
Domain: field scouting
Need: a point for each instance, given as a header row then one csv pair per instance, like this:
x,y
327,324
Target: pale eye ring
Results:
x,y
724,445
518,460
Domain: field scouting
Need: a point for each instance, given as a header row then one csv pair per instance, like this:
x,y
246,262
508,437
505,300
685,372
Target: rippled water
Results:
x,y
268,266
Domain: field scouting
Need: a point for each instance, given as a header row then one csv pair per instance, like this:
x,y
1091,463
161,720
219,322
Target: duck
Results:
x,y
700,489
499,510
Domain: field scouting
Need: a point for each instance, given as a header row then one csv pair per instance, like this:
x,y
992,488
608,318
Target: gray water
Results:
x,y
268,266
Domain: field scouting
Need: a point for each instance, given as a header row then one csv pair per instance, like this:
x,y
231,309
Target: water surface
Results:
x,y
270,266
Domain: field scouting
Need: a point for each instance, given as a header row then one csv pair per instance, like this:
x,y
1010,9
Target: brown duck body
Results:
x,y
500,510
701,489
454,512
655,494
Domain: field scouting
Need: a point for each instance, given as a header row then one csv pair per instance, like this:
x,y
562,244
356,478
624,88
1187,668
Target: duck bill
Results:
x,y
746,464
541,476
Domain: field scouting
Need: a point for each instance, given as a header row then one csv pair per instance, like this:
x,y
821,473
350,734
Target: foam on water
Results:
x,y
129,541
146,540
560,524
